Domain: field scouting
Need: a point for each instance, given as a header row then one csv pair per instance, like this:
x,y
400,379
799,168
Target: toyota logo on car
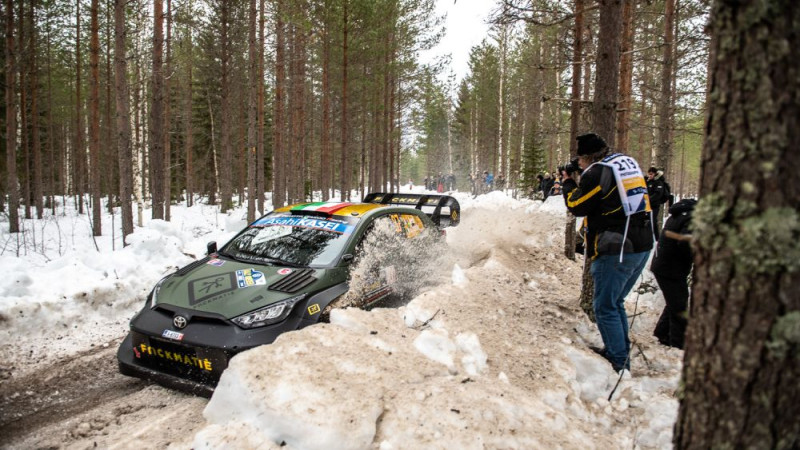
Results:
x,y
179,322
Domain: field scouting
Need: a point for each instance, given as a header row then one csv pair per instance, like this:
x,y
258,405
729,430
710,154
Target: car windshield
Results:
x,y
303,241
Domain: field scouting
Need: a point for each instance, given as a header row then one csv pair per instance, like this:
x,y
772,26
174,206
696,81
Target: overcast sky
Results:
x,y
466,27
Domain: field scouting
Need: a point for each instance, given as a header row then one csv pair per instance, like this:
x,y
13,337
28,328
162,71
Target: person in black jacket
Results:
x,y
671,267
547,185
618,237
659,194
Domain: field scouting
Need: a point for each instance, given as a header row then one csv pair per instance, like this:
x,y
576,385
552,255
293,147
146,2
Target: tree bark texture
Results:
x,y
577,65
260,151
607,83
94,119
664,149
123,118
11,122
326,166
344,185
278,151
742,360
78,150
156,156
575,108
188,130
168,116
227,161
36,146
625,78
252,113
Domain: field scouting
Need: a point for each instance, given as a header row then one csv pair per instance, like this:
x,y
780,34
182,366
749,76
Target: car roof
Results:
x,y
333,208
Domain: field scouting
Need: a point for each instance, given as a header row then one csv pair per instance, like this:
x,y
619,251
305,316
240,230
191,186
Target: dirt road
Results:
x,y
83,402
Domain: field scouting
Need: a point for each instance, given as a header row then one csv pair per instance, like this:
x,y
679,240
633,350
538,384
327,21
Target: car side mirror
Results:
x,y
211,247
347,257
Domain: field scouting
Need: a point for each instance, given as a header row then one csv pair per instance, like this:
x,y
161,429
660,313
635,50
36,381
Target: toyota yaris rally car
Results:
x,y
281,273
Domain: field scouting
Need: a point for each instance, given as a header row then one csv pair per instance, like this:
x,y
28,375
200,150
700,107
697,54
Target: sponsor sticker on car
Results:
x,y
216,262
250,277
284,271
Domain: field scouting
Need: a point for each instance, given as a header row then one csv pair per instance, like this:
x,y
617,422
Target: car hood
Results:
x,y
231,288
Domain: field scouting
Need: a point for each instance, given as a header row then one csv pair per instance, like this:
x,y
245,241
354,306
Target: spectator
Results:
x,y
618,238
659,193
538,194
547,184
556,189
671,267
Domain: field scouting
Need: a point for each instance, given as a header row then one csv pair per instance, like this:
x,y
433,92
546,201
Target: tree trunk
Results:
x,y
54,160
94,119
11,122
252,113
124,146
326,166
664,149
24,83
156,156
36,178
575,112
167,117
608,56
260,156
742,362
278,151
78,150
344,185
109,157
625,78
187,119
226,168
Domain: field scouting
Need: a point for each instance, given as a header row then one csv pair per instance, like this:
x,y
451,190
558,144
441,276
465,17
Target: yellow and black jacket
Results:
x,y
597,198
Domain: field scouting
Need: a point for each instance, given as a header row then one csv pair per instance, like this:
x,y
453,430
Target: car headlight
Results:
x,y
268,315
154,292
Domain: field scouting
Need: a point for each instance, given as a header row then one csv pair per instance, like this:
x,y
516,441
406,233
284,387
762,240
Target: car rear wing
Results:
x,y
443,210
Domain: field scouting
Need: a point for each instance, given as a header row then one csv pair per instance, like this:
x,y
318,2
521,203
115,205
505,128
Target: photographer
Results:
x,y
619,235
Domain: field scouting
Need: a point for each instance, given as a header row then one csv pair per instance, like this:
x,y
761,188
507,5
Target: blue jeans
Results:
x,y
613,280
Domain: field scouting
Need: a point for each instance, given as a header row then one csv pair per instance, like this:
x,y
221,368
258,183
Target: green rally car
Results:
x,y
281,273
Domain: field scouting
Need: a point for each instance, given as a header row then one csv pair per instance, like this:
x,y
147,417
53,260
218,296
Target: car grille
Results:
x,y
294,281
197,363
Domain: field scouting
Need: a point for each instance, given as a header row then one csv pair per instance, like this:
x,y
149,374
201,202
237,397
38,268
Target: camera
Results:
x,y
572,167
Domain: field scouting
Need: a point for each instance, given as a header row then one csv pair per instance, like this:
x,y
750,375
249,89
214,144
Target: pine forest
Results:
x,y
116,103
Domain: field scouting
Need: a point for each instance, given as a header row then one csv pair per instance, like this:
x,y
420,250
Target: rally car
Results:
x,y
281,273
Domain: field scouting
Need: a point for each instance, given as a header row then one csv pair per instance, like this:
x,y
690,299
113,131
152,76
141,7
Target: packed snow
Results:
x,y
494,354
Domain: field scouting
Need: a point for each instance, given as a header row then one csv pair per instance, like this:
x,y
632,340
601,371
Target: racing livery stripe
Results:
x,y
309,206
340,208
358,209
331,208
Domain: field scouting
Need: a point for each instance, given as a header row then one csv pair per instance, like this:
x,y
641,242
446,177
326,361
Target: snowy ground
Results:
x,y
494,355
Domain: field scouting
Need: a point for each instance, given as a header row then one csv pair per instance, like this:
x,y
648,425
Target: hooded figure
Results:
x,y
671,266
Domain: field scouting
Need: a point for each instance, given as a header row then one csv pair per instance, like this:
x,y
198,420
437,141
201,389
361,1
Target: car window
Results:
x,y
296,240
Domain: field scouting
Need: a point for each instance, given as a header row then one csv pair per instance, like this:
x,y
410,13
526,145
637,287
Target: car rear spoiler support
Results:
x,y
450,219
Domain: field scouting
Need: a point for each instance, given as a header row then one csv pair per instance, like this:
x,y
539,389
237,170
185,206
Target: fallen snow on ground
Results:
x,y
494,355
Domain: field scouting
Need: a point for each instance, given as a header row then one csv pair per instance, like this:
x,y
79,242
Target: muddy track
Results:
x,y
76,399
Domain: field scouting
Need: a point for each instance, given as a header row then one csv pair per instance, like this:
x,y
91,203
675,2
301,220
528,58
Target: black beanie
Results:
x,y
590,143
